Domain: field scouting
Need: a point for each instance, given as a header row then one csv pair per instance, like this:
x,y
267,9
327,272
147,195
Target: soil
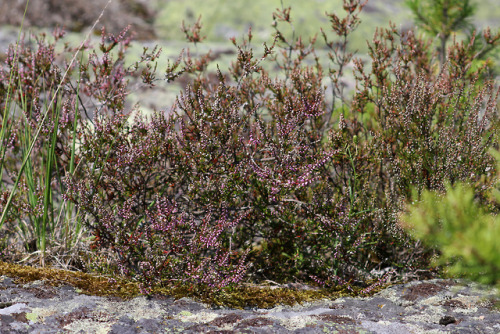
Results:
x,y
434,306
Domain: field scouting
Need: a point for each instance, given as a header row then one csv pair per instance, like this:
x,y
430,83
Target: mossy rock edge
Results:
x,y
239,297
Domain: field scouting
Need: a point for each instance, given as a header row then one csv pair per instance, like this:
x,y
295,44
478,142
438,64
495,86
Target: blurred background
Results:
x,y
222,19
159,22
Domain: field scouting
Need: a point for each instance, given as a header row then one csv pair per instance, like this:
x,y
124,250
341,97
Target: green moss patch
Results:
x,y
232,297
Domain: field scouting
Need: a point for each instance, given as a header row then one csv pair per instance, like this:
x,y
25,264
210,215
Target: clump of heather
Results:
x,y
411,127
262,171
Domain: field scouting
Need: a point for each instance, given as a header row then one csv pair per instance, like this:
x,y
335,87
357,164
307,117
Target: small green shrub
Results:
x,y
465,234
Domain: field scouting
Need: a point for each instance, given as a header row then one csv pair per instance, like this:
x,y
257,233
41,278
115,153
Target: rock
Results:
x,y
76,15
437,306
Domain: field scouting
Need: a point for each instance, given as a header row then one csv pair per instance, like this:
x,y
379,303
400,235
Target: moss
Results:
x,y
232,297
87,283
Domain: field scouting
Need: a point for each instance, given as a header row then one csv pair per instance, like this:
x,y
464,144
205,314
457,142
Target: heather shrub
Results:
x,y
225,150
321,203
264,171
209,159
420,129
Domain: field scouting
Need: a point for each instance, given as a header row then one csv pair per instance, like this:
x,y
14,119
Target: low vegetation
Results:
x,y
271,169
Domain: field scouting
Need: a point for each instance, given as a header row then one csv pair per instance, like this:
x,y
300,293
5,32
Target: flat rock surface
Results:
x,y
435,306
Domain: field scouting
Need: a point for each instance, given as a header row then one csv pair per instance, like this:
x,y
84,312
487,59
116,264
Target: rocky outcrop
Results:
x,y
75,15
435,306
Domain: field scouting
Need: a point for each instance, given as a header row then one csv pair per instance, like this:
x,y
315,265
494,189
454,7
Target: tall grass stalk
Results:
x,y
39,224
77,228
5,131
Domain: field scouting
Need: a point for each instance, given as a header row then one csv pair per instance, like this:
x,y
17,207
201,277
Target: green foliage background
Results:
x,y
308,17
